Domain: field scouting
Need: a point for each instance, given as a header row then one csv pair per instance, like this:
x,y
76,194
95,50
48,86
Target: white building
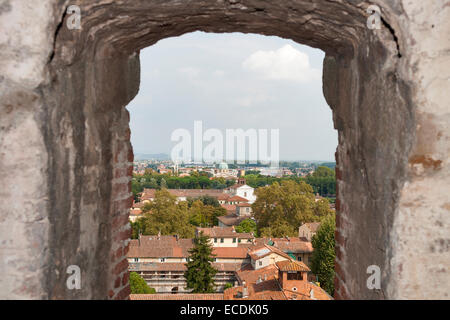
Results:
x,y
243,190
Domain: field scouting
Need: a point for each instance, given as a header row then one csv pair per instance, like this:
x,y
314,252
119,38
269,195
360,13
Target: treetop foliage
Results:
x,y
281,208
200,272
323,256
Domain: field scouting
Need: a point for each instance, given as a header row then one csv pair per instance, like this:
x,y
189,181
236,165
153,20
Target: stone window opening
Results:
x,y
78,155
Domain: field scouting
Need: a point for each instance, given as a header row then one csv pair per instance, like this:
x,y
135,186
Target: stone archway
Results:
x,y
66,98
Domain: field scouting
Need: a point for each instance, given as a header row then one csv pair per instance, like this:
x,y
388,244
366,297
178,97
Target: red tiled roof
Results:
x,y
261,251
267,289
224,232
230,252
223,196
238,199
180,266
291,265
262,284
243,205
231,219
162,247
294,245
229,207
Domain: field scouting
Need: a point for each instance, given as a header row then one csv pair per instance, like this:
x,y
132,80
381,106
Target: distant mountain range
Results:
x,y
147,156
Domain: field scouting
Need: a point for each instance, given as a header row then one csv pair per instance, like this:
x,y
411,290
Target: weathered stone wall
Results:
x,y
65,154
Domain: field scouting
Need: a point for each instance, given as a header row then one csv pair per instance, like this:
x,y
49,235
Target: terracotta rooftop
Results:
x,y
229,207
259,252
170,247
262,284
159,247
243,205
180,266
230,252
231,219
291,265
237,185
294,245
238,199
224,232
223,196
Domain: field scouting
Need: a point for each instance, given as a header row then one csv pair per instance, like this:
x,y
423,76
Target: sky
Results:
x,y
233,81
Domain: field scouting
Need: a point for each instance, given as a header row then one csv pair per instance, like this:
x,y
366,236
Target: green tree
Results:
x,y
138,285
246,226
323,181
281,208
200,272
323,256
203,215
228,285
163,183
323,172
164,214
322,208
137,227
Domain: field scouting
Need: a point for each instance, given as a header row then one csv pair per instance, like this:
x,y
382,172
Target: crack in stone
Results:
x,y
392,31
58,29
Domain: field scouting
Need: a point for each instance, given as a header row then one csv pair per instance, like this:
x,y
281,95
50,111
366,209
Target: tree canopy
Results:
x,y
323,256
281,208
138,285
168,216
247,226
200,272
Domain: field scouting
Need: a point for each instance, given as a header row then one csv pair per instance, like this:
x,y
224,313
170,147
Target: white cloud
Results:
x,y
286,63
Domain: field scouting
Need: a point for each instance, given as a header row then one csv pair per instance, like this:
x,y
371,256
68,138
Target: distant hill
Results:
x,y
147,156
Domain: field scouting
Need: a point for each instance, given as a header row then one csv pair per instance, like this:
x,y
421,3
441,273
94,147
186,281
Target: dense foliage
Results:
x,y
281,208
138,285
247,226
200,272
323,181
153,180
322,264
167,216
